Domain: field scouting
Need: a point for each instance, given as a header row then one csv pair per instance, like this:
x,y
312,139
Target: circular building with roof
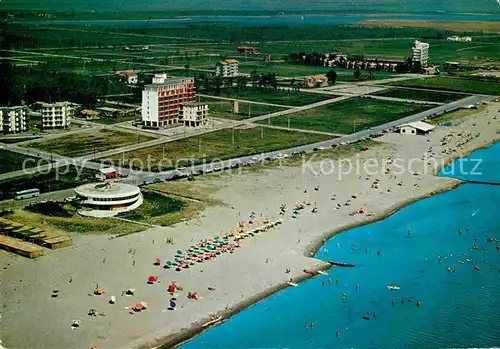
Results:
x,y
107,199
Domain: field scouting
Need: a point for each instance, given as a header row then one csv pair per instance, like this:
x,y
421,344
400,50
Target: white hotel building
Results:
x,y
420,53
57,115
13,119
227,68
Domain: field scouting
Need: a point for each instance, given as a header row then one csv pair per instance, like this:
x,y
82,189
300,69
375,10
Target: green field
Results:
x,y
347,116
491,87
420,95
85,143
13,161
224,109
213,146
284,98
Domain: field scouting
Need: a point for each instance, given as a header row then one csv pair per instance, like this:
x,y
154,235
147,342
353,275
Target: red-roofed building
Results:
x,y
129,77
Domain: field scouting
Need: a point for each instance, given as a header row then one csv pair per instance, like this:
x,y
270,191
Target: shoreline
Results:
x,y
177,339
315,245
180,338
329,203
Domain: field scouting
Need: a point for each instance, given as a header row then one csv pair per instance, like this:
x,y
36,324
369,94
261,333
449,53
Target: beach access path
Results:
x,y
28,284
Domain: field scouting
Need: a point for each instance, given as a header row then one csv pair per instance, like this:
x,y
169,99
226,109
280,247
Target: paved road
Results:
x,y
140,177
405,100
297,109
246,101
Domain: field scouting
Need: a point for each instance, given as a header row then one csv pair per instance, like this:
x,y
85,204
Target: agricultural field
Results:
x,y
347,116
224,109
218,145
285,98
13,161
421,95
85,143
491,87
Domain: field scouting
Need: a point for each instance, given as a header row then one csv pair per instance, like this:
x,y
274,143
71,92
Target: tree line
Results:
x,y
27,85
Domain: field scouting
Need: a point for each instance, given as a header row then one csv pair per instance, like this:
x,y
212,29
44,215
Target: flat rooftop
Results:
x,y
107,190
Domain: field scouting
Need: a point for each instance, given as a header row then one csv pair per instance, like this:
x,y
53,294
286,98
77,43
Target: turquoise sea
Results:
x,y
459,309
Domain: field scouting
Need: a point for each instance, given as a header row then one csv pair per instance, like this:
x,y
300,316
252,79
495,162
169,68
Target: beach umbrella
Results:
x,y
138,307
157,261
152,279
180,252
144,305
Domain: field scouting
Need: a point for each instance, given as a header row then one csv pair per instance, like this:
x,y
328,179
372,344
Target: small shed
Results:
x,y
416,128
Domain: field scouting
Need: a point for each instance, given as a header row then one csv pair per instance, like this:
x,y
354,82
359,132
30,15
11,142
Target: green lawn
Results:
x,y
420,95
275,96
224,109
84,143
347,116
491,87
215,145
13,161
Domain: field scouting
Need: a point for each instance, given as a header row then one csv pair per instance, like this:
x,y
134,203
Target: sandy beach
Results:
x,y
31,318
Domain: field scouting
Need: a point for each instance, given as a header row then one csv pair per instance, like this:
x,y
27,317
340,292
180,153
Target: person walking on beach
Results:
x,y
70,279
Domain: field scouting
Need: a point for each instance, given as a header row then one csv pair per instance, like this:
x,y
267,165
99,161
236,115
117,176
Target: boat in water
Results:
x,y
322,272
340,264
393,287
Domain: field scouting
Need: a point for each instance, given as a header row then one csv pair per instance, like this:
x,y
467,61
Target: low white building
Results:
x,y
459,38
227,68
194,114
57,115
107,199
14,119
416,128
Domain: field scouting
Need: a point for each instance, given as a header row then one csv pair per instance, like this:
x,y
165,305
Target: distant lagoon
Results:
x,y
272,20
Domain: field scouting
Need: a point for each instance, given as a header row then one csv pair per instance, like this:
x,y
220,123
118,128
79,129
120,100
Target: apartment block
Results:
x,y
420,53
57,115
194,114
14,119
162,100
227,68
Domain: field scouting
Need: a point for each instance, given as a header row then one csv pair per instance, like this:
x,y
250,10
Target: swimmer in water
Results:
x,y
344,296
375,315
357,287
307,324
337,334
402,300
378,253
409,231
393,302
419,303
336,280
330,281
